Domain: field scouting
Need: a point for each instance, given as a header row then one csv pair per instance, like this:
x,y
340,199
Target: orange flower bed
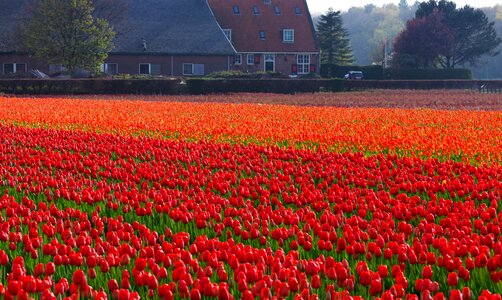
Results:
x,y
469,136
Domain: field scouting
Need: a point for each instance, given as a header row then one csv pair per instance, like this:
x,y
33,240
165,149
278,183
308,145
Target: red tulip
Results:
x,y
375,287
456,295
79,279
316,281
452,279
427,272
113,285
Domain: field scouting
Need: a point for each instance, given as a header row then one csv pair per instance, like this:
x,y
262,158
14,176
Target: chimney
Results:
x,y
144,44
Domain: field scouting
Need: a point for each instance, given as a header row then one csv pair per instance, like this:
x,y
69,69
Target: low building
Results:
x,y
269,35
170,38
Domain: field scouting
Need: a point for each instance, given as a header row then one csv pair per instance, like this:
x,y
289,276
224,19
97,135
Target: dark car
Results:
x,y
354,75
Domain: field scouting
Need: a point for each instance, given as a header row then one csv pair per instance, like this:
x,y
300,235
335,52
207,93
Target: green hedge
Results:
x,y
336,71
427,74
221,86
90,86
378,73
279,86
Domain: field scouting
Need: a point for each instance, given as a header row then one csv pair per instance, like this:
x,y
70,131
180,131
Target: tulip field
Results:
x,y
251,197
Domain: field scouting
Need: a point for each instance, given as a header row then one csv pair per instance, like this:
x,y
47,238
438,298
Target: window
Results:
x,y
144,69
14,68
263,35
277,10
298,11
149,69
9,68
187,69
269,62
236,10
228,34
256,10
238,59
303,61
193,69
155,69
267,1
110,68
250,59
288,35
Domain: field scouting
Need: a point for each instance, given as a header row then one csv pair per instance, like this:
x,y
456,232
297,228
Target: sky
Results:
x,y
321,6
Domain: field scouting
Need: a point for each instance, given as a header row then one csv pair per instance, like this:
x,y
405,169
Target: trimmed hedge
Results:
x,y
90,86
221,86
336,71
378,73
279,86
428,74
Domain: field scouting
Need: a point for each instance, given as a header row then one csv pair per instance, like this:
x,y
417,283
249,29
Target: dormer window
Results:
x,y
256,10
263,35
277,10
298,11
236,10
288,35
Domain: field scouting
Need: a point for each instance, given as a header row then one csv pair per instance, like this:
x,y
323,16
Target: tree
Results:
x,y
64,32
333,39
422,42
475,36
386,30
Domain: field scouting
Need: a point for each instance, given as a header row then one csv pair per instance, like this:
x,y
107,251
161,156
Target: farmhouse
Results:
x,y
170,37
269,35
187,37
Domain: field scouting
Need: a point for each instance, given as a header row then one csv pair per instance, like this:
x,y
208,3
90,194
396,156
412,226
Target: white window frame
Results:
x,y
14,67
269,57
303,63
183,70
228,34
149,69
105,66
250,62
287,33
194,69
238,61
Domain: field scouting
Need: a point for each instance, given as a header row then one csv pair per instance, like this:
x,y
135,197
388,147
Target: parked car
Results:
x,y
354,75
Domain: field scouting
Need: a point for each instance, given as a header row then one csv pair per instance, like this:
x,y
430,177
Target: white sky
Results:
x,y
321,6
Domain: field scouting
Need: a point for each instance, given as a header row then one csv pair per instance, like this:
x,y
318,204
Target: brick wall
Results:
x,y
283,63
129,64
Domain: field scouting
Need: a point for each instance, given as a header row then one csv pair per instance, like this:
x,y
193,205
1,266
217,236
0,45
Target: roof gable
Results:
x,y
171,27
177,27
272,19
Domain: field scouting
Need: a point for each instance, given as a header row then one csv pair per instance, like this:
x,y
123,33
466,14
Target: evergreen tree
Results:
x,y
64,32
333,39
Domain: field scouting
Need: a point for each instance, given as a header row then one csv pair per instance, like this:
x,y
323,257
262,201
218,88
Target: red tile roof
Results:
x,y
246,26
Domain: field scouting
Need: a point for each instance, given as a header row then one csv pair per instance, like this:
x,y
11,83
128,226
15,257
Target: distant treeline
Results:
x,y
372,30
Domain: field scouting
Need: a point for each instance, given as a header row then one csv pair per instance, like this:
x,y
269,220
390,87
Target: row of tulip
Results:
x,y
87,215
467,136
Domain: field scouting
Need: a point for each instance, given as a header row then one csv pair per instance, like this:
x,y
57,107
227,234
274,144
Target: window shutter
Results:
x,y
257,59
294,69
198,69
312,68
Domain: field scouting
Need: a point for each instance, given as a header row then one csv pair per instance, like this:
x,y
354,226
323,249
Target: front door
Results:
x,y
269,63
